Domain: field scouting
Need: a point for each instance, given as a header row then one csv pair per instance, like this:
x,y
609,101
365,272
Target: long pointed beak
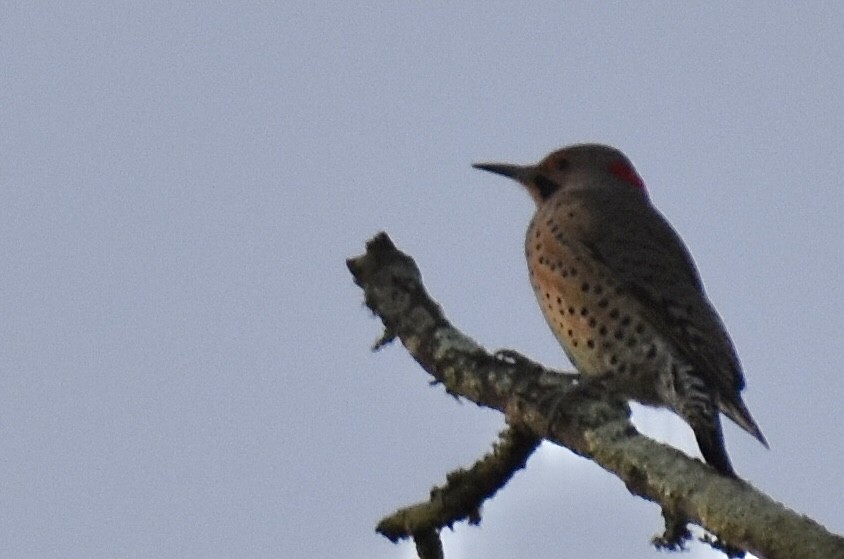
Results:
x,y
515,172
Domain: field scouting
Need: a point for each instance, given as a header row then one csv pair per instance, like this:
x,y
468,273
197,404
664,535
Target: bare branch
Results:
x,y
588,422
465,490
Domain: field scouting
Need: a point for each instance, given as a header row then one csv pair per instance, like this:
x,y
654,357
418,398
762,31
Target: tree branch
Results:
x,y
589,422
461,497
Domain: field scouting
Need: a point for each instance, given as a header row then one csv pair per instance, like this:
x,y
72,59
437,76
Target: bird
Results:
x,y
622,295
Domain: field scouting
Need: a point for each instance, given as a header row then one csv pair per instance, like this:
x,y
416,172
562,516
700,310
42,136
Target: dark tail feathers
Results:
x,y
710,439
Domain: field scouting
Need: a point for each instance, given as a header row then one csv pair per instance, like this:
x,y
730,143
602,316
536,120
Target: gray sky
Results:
x,y
184,364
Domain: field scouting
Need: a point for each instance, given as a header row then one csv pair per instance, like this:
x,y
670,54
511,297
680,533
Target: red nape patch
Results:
x,y
627,173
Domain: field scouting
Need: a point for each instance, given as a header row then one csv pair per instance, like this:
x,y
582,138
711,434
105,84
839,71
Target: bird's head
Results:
x,y
577,167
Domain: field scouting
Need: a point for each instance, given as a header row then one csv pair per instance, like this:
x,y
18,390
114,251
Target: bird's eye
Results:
x,y
562,164
546,186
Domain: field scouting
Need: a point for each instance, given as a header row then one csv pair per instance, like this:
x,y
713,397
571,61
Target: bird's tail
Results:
x,y
738,412
710,439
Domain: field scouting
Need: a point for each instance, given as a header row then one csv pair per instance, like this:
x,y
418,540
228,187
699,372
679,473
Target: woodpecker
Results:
x,y
622,295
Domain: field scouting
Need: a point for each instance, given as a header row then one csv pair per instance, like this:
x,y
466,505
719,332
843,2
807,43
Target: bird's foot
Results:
x,y
553,404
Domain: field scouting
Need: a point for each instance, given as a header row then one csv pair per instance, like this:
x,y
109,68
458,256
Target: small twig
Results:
x,y
465,490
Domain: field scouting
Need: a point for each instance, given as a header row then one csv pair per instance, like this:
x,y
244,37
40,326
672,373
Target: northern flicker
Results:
x,y
622,295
